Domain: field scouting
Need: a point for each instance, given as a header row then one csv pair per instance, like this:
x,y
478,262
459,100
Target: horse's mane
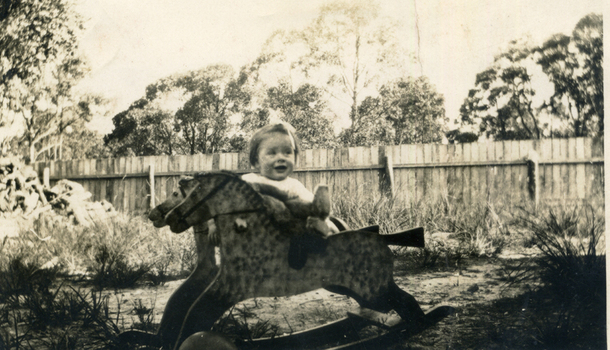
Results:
x,y
271,204
243,185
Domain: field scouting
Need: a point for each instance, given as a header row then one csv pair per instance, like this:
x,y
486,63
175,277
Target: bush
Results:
x,y
572,247
38,313
571,303
119,253
241,323
111,269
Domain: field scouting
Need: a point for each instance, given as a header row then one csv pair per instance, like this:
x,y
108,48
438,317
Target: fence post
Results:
x,y
46,177
387,178
533,176
151,180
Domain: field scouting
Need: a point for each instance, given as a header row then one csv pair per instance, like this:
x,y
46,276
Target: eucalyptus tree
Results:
x,y
143,129
204,120
501,103
306,110
348,51
406,111
181,114
39,67
574,64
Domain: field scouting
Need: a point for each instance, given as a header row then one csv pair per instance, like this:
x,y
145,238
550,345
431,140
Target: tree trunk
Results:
x,y
356,74
61,143
32,152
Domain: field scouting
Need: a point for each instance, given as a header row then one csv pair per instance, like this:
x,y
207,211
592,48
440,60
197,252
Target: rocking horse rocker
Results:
x,y
266,252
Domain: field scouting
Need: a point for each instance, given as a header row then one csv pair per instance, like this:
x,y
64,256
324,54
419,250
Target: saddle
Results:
x,y
301,245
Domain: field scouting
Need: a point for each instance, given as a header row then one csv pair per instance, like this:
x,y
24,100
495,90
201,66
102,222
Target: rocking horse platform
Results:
x,y
345,333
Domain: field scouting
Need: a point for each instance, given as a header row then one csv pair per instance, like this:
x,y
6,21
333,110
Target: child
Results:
x,y
273,152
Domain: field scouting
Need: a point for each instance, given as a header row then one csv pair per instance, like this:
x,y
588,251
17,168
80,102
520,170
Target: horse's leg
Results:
x,y
394,299
404,304
208,308
181,300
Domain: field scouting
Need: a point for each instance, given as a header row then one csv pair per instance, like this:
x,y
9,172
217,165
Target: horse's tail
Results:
x,y
410,238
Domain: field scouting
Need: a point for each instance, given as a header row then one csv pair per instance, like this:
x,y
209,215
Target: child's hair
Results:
x,y
265,131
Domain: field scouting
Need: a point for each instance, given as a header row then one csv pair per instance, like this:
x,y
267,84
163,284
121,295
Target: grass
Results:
x,y
452,231
36,313
53,274
119,254
242,323
571,303
145,316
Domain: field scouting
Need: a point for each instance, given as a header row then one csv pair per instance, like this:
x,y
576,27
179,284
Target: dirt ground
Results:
x,y
476,288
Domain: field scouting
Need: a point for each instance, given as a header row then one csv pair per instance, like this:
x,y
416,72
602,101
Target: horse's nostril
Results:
x,y
154,215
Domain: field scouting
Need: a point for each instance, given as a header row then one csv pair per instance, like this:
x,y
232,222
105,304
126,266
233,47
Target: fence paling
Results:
x,y
567,168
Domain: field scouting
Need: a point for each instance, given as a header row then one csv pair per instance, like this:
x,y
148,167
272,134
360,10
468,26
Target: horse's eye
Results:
x,y
175,194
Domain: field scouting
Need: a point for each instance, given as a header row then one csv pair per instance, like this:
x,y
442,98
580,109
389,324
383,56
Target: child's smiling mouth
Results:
x,y
281,168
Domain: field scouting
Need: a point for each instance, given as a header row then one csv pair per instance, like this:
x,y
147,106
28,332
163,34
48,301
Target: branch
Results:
x,y
44,149
43,135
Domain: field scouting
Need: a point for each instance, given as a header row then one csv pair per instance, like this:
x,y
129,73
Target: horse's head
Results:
x,y
203,197
157,215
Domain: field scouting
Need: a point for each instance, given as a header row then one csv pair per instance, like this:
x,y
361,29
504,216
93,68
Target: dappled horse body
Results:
x,y
255,240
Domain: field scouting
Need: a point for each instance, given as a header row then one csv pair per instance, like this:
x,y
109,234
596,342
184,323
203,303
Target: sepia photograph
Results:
x,y
307,175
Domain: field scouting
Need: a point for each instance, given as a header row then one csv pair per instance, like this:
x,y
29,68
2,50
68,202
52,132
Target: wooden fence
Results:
x,y
566,169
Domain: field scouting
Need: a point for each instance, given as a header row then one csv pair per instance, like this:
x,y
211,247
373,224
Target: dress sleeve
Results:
x,y
299,190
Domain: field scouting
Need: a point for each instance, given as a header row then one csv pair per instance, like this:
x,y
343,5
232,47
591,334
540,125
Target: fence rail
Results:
x,y
563,169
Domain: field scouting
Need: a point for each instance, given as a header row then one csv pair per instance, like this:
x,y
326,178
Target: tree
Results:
x,y
408,110
84,143
459,136
39,65
305,110
501,102
204,119
181,114
70,109
142,130
347,51
575,67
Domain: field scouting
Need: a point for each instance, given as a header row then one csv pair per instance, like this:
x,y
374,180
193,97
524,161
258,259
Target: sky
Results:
x,y
131,44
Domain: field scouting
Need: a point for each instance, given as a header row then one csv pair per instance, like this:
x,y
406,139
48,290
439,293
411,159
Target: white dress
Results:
x,y
292,187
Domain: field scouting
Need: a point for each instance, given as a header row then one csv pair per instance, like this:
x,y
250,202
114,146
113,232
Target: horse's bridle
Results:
x,y
212,193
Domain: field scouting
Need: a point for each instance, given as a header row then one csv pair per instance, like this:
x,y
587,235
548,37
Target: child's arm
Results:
x,y
299,208
270,190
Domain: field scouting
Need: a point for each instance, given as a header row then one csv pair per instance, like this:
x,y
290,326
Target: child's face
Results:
x,y
275,157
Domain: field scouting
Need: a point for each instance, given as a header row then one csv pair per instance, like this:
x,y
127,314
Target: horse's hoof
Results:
x,y
207,341
438,313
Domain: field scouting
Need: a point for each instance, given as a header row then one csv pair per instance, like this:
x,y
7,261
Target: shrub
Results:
x,y
37,312
241,323
111,269
145,316
571,303
23,278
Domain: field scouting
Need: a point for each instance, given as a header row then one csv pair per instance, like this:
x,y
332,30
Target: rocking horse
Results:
x,y
257,239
